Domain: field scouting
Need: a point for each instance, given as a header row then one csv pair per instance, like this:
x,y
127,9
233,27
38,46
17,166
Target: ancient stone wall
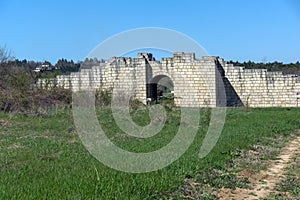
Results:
x,y
197,82
260,88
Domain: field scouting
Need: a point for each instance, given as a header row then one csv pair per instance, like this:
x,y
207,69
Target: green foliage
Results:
x,y
63,66
135,104
103,97
168,101
218,180
20,81
291,184
48,74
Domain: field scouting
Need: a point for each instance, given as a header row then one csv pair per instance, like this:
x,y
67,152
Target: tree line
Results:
x,y
291,68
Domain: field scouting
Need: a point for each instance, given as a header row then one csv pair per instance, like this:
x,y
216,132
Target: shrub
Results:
x,y
103,97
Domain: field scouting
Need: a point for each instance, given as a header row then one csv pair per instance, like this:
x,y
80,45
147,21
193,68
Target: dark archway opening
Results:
x,y
160,90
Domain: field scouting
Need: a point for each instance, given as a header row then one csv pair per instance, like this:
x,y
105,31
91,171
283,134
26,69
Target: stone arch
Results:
x,y
158,86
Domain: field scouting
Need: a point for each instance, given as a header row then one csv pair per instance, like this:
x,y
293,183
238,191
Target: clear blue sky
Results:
x,y
258,30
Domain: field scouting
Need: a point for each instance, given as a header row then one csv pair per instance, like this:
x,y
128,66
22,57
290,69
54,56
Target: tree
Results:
x,y
65,66
5,55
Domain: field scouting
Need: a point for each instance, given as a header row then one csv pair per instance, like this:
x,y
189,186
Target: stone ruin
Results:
x,y
205,82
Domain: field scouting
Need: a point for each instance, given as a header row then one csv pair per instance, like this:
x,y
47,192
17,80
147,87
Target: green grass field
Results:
x,y
43,157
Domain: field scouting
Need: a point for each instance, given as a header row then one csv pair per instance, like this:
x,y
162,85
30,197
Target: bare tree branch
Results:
x,y
5,55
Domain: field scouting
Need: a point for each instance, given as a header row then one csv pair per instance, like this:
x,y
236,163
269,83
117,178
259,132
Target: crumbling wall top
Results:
x,y
147,56
183,55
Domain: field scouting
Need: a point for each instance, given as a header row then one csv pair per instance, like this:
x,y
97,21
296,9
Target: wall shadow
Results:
x,y
229,97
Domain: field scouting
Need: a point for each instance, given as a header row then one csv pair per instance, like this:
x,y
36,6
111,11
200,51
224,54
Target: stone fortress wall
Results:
x,y
261,88
205,82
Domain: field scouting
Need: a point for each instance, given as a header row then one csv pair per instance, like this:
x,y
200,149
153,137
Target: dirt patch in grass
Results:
x,y
255,159
251,174
264,182
4,123
14,146
8,124
289,187
191,190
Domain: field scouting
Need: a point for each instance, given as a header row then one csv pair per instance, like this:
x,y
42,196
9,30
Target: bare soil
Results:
x,y
263,183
